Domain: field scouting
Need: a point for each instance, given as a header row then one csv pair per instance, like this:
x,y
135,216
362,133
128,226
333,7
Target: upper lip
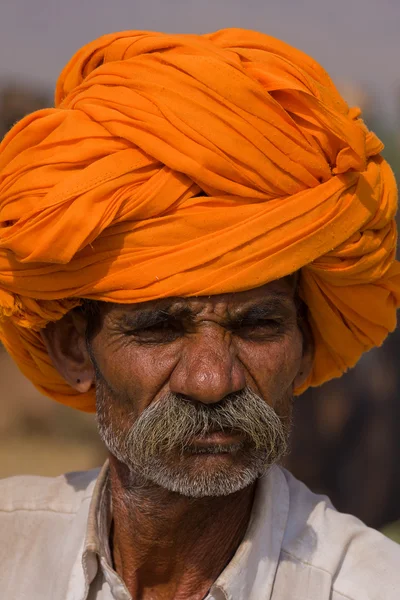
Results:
x,y
210,436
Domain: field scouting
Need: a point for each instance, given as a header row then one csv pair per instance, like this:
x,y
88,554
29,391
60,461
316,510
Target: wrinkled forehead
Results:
x,y
275,294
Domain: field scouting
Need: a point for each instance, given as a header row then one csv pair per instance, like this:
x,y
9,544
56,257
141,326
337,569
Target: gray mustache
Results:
x,y
173,421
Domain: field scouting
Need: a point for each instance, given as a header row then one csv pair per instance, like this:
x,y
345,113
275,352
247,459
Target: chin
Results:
x,y
205,474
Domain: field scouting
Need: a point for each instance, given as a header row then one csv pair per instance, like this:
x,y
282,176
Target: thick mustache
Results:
x,y
173,421
156,446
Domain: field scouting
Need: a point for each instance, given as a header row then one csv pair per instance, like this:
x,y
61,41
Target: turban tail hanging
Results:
x,y
181,165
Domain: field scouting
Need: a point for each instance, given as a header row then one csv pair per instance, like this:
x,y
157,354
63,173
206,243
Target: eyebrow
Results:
x,y
147,317
277,304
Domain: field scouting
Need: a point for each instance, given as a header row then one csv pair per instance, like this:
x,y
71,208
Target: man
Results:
x,y
200,229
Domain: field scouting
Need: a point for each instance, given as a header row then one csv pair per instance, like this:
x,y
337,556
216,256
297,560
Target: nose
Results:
x,y
208,369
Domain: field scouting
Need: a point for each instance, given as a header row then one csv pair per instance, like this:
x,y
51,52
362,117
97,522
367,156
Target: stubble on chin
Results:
x,y
157,447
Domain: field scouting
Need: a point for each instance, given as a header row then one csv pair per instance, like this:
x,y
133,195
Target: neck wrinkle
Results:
x,y
171,545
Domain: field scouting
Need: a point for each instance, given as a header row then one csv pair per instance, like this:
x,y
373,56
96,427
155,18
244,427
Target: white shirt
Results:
x,y
54,545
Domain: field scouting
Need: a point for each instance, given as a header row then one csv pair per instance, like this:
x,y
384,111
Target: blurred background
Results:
x,y
346,434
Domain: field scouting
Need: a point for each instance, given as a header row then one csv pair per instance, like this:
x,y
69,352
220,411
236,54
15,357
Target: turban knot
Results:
x,y
183,165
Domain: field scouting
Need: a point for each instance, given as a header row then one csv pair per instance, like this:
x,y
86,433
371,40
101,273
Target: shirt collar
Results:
x,y
96,543
252,567
99,518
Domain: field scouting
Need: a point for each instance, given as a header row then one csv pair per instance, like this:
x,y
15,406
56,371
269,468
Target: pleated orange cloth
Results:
x,y
101,196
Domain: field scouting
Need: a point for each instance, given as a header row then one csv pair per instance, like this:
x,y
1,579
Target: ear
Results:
x,y
307,358
65,343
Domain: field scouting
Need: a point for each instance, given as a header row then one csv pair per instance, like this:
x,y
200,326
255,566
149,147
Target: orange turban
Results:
x,y
101,196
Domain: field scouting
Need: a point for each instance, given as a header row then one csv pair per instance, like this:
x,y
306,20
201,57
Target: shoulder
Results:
x,y
45,508
31,493
360,562
43,524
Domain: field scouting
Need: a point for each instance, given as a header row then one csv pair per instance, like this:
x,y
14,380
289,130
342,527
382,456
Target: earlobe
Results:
x,y
307,359
303,374
66,345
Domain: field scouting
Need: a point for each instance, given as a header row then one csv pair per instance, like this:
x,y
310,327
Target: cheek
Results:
x,y
135,375
273,366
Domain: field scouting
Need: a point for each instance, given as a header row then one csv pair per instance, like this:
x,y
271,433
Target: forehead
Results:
x,y
281,291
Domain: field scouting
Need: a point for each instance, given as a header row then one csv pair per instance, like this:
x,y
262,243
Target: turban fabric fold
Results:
x,y
182,165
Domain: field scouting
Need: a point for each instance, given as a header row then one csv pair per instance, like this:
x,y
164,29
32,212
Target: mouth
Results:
x,y
216,442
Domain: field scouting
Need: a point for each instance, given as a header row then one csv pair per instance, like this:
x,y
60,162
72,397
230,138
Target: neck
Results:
x,y
170,547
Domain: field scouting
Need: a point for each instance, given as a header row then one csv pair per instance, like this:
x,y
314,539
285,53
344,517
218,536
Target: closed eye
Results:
x,y
259,329
157,333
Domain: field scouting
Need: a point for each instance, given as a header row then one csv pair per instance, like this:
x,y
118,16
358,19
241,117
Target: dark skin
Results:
x,y
165,545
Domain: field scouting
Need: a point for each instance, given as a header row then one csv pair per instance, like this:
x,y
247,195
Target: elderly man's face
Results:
x,y
195,394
